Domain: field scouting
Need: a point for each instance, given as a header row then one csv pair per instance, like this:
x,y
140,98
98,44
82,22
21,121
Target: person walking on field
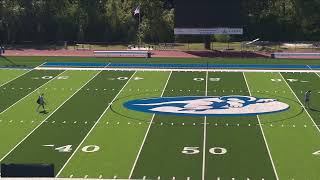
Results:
x,y
307,96
41,103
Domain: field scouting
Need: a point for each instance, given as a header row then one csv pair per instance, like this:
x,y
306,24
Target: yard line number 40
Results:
x,y
68,148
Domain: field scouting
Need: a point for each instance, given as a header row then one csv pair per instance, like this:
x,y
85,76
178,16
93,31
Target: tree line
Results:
x,y
44,21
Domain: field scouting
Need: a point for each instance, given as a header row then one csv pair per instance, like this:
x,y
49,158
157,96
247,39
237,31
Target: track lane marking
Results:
x,y
96,123
45,120
264,137
145,137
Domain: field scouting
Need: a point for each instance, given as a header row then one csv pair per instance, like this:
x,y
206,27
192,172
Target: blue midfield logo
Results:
x,y
208,106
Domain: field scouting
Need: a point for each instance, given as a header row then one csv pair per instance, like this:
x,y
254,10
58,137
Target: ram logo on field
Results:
x,y
208,106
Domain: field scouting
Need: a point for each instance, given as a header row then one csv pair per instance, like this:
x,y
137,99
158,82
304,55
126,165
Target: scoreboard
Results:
x,y
208,17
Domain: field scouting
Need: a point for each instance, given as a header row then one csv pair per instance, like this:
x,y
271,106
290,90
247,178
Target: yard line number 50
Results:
x,y
195,150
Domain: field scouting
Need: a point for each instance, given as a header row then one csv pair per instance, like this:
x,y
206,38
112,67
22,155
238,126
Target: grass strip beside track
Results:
x,y
291,136
67,127
119,133
241,136
7,76
162,152
15,90
21,119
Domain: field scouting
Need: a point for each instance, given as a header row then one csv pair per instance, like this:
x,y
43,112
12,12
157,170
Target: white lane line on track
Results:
x,y
15,78
204,135
265,140
96,123
145,137
304,108
48,117
31,92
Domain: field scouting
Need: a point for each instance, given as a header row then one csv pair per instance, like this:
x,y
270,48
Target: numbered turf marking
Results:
x,y
69,148
195,150
191,150
317,153
212,79
289,80
125,78
64,149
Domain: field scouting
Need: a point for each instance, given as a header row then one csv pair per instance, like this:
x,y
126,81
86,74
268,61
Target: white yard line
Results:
x,y
145,137
31,93
65,164
15,78
300,102
309,67
312,70
40,65
204,135
264,137
178,70
47,117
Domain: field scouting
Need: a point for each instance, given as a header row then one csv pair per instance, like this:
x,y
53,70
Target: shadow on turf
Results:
x,y
316,110
43,112
11,63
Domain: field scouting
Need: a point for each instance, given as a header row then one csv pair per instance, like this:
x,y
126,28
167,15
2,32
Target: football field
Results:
x,y
90,131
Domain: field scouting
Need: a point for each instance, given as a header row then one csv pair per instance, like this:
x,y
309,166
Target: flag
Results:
x,y
137,11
